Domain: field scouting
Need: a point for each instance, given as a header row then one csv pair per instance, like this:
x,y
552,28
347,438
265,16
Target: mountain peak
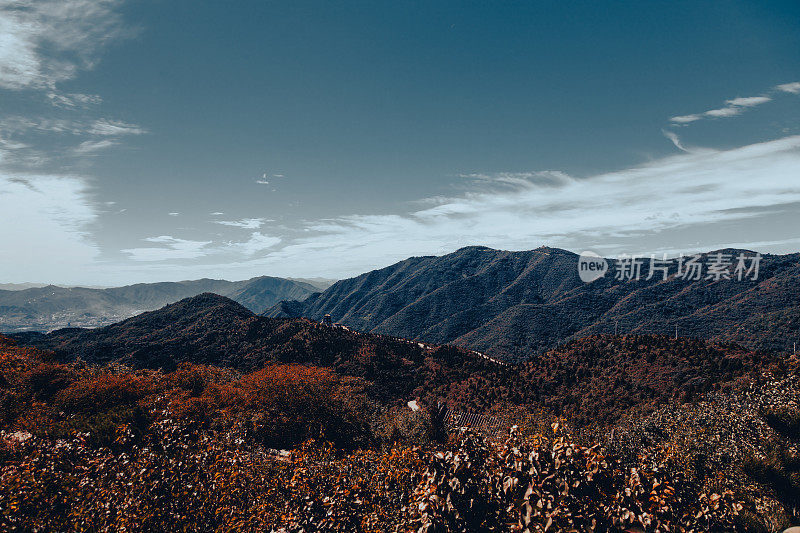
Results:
x,y
476,248
206,301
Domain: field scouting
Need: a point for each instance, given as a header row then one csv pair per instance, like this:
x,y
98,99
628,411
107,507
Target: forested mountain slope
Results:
x,y
511,304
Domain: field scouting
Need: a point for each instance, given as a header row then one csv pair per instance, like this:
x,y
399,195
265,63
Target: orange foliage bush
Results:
x,y
46,379
294,403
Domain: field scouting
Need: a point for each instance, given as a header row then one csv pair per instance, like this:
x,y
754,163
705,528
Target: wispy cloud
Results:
x,y
736,106
686,119
264,180
724,112
793,87
91,147
520,212
74,100
107,127
672,136
100,128
749,101
173,248
676,195
19,124
256,243
43,42
245,223
45,217
545,178
733,107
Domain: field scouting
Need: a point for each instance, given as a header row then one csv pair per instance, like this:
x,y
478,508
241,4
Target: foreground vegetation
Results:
x,y
87,448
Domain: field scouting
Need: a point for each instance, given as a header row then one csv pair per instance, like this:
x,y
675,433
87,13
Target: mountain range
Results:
x,y
513,304
50,307
598,378
507,305
209,329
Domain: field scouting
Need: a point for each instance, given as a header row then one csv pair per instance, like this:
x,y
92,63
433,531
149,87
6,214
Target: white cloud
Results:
x,y
551,178
521,211
91,147
174,248
245,223
793,87
45,219
99,134
6,144
749,101
684,194
256,243
15,152
264,180
217,213
101,127
173,214
74,100
724,112
43,42
735,106
114,127
685,119
18,124
672,136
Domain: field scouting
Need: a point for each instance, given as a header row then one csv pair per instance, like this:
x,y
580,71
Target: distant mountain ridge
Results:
x,y
51,307
512,304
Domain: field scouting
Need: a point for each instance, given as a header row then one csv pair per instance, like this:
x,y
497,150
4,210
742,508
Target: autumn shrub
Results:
x,y
101,391
44,380
100,404
363,490
191,378
737,440
197,378
552,483
293,403
779,467
174,480
399,424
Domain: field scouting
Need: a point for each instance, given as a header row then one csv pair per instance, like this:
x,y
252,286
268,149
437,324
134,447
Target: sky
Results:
x,y
155,140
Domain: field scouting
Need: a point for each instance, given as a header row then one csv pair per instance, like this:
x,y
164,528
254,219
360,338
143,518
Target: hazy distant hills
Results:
x,y
319,283
20,286
51,307
513,304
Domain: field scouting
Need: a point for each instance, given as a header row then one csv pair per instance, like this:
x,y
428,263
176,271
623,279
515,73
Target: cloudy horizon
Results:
x,y
323,142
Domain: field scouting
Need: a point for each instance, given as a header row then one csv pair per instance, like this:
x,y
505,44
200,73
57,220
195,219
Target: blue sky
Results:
x,y
155,140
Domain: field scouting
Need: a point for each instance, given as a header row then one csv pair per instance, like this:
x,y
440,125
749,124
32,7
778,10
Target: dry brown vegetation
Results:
x,y
107,448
